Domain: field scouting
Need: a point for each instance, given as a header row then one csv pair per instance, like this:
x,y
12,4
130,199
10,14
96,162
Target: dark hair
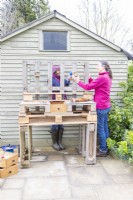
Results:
x,y
107,68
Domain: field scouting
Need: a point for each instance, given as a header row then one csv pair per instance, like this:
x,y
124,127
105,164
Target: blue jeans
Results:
x,y
55,128
102,128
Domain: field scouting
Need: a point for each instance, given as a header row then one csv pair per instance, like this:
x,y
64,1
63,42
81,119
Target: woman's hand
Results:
x,y
69,78
76,78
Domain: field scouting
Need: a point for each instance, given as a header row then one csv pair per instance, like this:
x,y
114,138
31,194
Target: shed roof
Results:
x,y
70,22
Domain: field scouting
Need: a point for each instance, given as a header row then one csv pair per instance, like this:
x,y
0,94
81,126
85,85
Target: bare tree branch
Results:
x,y
103,19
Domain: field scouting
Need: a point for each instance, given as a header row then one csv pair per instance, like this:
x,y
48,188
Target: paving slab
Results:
x,y
81,176
47,188
126,179
77,160
43,169
114,192
84,192
1,182
13,183
67,177
10,194
116,167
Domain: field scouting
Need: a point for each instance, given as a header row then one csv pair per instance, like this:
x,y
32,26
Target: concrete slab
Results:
x,y
126,179
76,160
67,177
13,183
115,167
8,194
114,192
85,192
43,169
1,182
47,188
82,176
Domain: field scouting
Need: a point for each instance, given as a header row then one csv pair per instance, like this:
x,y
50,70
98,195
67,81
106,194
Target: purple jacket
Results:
x,y
56,82
101,85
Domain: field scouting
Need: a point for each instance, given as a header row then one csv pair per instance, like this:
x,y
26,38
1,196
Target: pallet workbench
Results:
x,y
42,111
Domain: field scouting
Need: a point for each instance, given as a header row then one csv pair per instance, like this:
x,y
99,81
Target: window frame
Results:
x,y
41,38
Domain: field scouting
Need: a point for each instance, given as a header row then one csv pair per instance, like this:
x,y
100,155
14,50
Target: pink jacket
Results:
x,y
101,85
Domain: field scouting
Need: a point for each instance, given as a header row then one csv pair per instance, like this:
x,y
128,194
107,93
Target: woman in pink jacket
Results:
x,y
101,86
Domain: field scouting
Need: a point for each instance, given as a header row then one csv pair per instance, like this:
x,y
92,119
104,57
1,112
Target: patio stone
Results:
x,y
115,167
115,192
43,169
13,183
80,176
9,194
47,188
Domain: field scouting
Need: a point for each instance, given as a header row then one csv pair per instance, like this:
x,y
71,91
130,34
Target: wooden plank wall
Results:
x,y
25,46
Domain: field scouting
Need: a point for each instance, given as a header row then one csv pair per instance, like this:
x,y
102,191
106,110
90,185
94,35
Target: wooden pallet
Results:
x,y
51,106
54,118
34,71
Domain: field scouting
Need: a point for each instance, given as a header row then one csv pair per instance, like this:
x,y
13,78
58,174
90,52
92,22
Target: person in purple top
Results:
x,y
101,85
57,130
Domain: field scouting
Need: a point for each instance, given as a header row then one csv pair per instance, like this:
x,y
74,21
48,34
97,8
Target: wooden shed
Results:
x,y
32,43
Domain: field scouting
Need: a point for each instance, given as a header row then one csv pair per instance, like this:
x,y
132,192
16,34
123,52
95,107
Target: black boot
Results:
x,y
60,134
54,135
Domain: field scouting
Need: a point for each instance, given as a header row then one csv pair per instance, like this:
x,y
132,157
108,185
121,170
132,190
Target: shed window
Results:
x,y
55,41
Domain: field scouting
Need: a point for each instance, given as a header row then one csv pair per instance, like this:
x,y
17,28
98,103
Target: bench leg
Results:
x,y
91,132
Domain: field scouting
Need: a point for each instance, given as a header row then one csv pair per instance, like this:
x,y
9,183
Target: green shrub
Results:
x,y
121,118
130,66
121,122
122,149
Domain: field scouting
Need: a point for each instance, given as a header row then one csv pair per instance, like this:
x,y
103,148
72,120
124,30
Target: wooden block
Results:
x,y
27,97
93,113
93,107
89,118
58,97
58,107
5,172
94,117
23,128
69,108
8,159
92,127
47,108
58,119
23,120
